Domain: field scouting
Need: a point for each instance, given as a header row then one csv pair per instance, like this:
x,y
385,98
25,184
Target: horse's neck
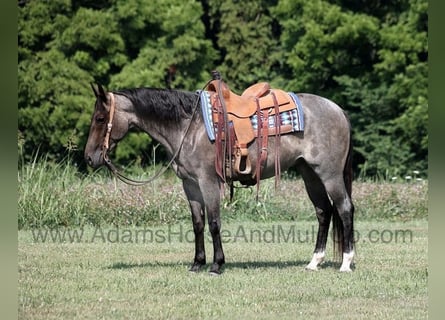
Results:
x,y
168,135
165,132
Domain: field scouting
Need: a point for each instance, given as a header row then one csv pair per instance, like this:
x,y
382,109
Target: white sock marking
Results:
x,y
346,263
317,258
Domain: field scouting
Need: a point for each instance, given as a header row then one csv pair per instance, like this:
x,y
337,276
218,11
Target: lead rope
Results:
x,y
116,172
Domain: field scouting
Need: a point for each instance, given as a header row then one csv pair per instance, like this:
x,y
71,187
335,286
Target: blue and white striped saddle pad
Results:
x,y
294,116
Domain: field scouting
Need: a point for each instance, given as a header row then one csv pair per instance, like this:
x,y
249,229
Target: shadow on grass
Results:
x,y
252,265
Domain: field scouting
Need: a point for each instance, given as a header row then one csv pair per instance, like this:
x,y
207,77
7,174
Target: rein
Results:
x,y
106,146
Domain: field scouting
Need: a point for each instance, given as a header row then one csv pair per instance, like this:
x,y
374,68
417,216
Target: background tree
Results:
x,y
370,65
368,56
247,37
166,45
64,46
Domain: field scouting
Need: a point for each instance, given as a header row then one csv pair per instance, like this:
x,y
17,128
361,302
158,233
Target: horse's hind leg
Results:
x,y
343,220
323,208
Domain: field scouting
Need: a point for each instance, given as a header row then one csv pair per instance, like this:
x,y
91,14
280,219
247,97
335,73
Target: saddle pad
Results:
x,y
293,117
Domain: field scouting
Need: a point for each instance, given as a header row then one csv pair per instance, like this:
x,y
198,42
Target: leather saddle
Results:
x,y
258,100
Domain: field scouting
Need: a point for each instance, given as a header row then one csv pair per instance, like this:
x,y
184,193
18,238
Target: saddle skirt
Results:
x,y
293,117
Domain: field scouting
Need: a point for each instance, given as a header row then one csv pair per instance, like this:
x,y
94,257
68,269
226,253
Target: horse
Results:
x,y
322,154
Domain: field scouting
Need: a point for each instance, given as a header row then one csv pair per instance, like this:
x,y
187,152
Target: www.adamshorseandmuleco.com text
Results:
x,y
275,233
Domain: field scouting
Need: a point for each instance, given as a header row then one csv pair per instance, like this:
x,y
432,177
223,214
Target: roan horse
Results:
x,y
322,155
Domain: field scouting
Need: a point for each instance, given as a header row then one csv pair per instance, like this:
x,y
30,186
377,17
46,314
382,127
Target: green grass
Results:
x,y
263,279
57,195
267,245
54,195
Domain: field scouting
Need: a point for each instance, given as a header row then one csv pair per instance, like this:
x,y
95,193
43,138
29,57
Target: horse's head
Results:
x,y
106,128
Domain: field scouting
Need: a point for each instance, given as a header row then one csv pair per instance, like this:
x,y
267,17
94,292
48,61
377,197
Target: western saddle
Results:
x,y
233,116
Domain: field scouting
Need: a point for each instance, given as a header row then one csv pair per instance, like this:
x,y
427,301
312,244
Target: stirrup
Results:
x,y
242,159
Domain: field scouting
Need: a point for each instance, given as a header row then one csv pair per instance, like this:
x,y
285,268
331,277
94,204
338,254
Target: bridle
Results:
x,y
106,144
112,167
106,147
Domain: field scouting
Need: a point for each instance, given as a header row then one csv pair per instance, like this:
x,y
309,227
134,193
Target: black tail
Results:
x,y
337,224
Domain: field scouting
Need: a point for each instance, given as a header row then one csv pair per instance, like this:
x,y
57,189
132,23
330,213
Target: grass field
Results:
x,y
92,249
101,276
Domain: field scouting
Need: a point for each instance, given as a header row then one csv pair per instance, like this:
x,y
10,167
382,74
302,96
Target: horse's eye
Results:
x,y
100,119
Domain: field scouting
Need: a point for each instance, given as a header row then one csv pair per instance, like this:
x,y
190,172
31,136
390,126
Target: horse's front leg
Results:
x,y
218,253
196,203
211,195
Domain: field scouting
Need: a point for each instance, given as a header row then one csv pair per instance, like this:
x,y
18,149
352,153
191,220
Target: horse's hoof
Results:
x,y
196,267
311,268
215,270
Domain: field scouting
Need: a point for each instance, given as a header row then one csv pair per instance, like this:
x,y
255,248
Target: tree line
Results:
x,y
370,57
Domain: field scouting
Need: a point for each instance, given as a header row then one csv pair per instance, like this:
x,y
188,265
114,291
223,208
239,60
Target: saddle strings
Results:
x,y
227,133
226,164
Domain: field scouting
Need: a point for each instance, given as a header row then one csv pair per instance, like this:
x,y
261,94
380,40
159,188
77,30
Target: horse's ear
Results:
x,y
102,92
101,95
99,91
96,93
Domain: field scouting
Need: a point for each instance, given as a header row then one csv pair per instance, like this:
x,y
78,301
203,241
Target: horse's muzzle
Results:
x,y
94,160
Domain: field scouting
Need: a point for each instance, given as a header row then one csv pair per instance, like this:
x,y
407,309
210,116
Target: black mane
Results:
x,y
162,104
